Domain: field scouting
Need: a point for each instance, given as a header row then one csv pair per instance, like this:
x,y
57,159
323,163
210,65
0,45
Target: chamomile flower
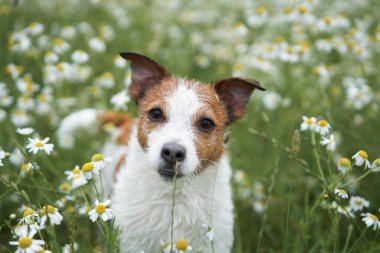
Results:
x,y
358,203
120,100
26,244
376,165
52,213
99,162
182,246
308,123
24,228
101,210
341,193
77,177
330,142
371,220
25,168
323,127
88,169
97,45
344,164
361,157
2,156
35,144
70,248
25,131
80,56
29,216
60,46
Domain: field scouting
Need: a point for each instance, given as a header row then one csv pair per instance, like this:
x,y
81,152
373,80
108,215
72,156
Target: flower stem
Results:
x,y
173,204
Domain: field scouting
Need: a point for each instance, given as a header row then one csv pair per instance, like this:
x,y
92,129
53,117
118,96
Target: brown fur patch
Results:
x,y
123,121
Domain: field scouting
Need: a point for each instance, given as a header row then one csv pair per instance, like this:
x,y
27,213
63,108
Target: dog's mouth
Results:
x,y
168,172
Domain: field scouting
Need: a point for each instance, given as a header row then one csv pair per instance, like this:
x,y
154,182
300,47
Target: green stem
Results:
x,y
173,204
350,228
316,155
358,179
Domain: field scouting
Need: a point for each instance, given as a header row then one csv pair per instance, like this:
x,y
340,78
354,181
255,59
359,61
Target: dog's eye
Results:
x,y
206,125
156,114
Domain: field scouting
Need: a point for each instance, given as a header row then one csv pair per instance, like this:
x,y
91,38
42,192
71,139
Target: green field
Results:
x,y
316,58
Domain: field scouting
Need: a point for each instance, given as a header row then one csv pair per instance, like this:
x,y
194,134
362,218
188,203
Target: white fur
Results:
x,y
142,203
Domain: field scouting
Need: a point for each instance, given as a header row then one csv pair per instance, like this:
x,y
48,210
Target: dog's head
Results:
x,y
183,121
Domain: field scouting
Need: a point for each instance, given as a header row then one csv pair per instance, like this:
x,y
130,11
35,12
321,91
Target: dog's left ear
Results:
x,y
145,74
235,93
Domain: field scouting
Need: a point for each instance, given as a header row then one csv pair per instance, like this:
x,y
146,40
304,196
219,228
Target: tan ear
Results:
x,y
235,94
145,74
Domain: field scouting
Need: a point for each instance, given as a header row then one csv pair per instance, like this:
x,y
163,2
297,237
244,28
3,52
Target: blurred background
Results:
x,y
316,58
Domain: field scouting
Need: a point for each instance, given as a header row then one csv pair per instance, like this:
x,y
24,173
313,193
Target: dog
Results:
x,y
178,138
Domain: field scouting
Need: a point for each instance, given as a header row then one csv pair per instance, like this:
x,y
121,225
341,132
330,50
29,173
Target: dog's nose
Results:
x,y
173,152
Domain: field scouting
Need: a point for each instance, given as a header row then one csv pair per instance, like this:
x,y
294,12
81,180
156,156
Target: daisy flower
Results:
x,y
329,142
323,127
99,161
308,123
358,203
25,131
341,193
101,210
26,244
344,165
371,220
69,248
2,156
77,177
182,246
22,229
25,168
79,56
52,212
361,157
35,145
29,216
376,165
88,169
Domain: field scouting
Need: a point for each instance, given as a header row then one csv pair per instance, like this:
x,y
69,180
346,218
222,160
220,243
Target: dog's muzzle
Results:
x,y
171,154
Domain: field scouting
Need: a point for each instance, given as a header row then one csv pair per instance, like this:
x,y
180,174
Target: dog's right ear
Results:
x,y
145,74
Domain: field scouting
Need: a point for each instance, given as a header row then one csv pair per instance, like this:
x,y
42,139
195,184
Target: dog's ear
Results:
x,y
145,74
235,93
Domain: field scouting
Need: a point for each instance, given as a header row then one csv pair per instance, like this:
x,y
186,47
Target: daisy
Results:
x,y
341,193
97,45
323,127
88,169
25,168
26,244
371,220
308,123
101,210
376,165
77,177
21,229
182,246
361,157
2,156
25,131
52,212
29,216
69,248
357,203
35,145
80,56
329,142
99,161
344,165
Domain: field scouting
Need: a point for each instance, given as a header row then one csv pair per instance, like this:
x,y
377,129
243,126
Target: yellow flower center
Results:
x,y
322,123
374,217
302,9
289,50
181,245
309,121
58,42
28,211
327,20
107,75
363,154
25,166
261,10
98,248
100,208
377,162
287,10
40,251
97,157
344,162
342,191
48,209
71,209
165,245
87,167
39,144
25,242
238,67
60,66
64,187
76,171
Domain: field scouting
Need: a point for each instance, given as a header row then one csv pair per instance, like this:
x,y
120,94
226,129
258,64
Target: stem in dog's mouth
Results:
x,y
173,204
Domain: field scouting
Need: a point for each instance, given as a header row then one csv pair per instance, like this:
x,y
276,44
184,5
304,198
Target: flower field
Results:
x,y
306,156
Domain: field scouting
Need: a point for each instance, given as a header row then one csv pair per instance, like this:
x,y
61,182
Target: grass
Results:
x,y
284,179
